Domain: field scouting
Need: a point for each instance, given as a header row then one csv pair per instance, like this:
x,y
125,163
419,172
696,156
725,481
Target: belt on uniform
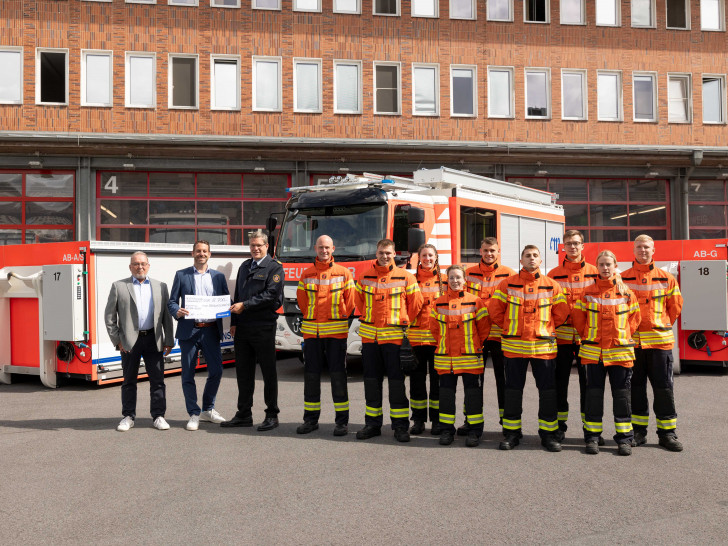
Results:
x,y
203,324
146,332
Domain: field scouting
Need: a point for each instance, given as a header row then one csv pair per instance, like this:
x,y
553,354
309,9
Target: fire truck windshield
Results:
x,y
355,230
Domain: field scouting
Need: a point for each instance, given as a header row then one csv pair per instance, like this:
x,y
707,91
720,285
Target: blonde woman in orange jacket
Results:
x,y
460,324
605,316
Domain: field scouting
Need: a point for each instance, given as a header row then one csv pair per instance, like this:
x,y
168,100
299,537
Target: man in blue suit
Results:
x,y
199,280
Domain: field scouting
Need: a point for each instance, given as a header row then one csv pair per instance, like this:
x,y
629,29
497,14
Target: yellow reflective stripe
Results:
x,y
421,336
642,420
373,412
654,337
513,312
412,288
475,418
500,412
613,354
563,416
418,404
528,347
500,295
622,427
606,301
400,413
544,317
458,364
341,406
593,426
384,334
550,426
512,424
383,285
581,284
312,406
442,344
325,328
637,287
666,424
447,419
468,336
434,404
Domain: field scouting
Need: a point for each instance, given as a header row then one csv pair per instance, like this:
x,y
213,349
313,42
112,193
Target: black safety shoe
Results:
x,y
560,435
670,443
551,444
307,427
463,430
401,434
446,438
592,447
640,439
600,441
509,442
341,430
417,428
368,431
436,429
473,439
624,449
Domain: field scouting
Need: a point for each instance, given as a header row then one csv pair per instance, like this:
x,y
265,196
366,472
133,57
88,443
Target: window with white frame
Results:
x,y
678,14
462,9
225,3
500,92
347,6
426,89
713,98
385,7
572,12
463,90
643,13
141,1
183,82
609,96
307,5
347,87
225,84
307,85
387,88
140,84
712,15
183,2
536,11
51,81
499,10
424,8
267,84
644,96
11,67
96,72
608,13
679,98
573,94
538,93
267,4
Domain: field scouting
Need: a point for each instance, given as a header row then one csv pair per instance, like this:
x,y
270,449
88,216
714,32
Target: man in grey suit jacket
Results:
x,y
139,326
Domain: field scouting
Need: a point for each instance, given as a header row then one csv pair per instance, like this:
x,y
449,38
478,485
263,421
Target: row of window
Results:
x,y
225,94
572,12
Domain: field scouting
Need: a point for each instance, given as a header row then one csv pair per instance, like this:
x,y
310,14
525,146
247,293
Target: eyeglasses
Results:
x,y
573,244
139,264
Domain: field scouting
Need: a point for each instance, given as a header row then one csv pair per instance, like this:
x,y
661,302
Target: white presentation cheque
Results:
x,y
207,307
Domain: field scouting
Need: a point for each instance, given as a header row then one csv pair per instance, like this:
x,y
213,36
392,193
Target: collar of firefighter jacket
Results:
x,y
323,265
568,264
606,284
643,267
529,276
488,268
455,293
425,274
383,270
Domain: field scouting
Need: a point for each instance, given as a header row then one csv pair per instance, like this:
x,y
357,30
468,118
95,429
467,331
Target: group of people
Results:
x,y
608,324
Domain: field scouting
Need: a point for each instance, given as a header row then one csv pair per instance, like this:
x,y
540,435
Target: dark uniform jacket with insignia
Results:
x,y
261,291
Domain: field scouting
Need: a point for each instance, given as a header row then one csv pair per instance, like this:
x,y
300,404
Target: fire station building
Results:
x,y
170,120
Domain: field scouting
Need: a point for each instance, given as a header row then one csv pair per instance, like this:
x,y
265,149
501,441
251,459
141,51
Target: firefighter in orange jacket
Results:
x,y
386,297
459,323
431,284
482,280
528,306
660,304
326,297
605,316
573,275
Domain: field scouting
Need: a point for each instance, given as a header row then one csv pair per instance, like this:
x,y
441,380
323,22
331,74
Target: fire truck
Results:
x,y
450,209
700,269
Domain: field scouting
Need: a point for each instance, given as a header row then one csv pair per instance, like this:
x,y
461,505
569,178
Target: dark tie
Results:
x,y
253,266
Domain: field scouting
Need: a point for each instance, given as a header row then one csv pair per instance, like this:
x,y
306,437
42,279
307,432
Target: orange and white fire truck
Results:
x,y
450,209
700,268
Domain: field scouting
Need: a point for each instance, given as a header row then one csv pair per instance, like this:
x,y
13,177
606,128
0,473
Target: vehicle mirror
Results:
x,y
415,239
271,224
415,215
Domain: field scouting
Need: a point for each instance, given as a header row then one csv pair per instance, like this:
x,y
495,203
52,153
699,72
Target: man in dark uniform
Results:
x,y
258,295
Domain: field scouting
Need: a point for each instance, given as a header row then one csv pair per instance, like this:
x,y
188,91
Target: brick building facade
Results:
x,y
194,107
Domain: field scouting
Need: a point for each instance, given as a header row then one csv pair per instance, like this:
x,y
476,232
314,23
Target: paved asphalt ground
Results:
x,y
67,476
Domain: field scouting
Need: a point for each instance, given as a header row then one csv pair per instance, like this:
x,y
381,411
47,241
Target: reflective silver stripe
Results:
x,y
377,284
534,296
456,312
323,282
606,301
488,284
643,287
429,288
582,284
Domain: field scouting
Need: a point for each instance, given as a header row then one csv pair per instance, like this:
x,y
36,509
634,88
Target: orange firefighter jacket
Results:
x,y
460,324
419,333
482,280
660,301
325,296
386,298
605,319
528,307
573,277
